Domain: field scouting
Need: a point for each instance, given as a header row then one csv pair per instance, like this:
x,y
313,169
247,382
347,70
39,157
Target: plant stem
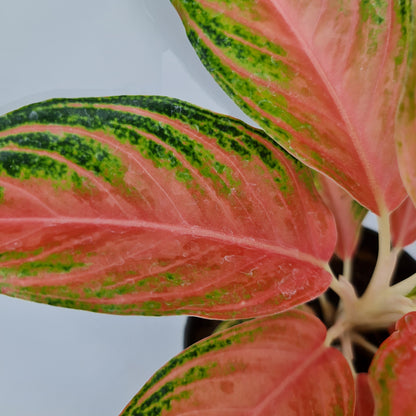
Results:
x,y
336,286
405,286
335,331
362,342
347,351
346,347
328,310
386,261
384,241
347,269
382,275
345,290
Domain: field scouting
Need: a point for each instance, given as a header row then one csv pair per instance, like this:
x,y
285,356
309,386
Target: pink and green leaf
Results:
x,y
403,224
277,365
149,205
322,78
392,372
406,126
348,215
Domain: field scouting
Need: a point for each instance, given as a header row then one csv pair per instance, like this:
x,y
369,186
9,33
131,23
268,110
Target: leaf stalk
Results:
x,y
386,261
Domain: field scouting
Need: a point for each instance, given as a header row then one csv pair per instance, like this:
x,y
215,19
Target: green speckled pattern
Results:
x,y
149,205
391,374
284,354
406,127
323,79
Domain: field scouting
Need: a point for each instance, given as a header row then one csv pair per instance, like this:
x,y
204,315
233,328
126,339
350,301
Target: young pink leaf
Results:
x,y
272,366
348,215
403,224
149,205
392,372
322,78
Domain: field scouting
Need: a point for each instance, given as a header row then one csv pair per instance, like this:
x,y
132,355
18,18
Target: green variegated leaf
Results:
x,y
323,78
392,372
406,126
149,205
265,367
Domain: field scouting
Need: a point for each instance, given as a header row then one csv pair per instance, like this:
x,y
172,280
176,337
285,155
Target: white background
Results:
x,y
63,362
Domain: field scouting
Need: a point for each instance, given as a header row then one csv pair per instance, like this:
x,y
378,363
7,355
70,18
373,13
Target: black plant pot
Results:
x,y
363,266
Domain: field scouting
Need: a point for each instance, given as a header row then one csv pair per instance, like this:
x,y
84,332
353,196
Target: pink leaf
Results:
x,y
271,366
148,205
403,224
364,403
392,372
406,126
323,78
348,216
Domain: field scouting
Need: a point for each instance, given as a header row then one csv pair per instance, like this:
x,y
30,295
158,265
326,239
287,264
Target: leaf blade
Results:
x,y
215,375
150,205
348,216
406,126
364,404
393,389
403,224
317,78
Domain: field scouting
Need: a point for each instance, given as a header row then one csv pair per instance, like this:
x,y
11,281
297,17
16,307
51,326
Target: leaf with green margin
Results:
x,y
322,78
294,373
348,215
149,205
392,372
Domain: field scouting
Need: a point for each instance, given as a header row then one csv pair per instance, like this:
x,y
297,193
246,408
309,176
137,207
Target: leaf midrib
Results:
x,y
184,229
290,379
338,103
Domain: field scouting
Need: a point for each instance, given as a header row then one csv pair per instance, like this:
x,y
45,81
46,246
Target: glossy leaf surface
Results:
x,y
149,205
403,224
322,78
392,372
406,127
271,366
348,215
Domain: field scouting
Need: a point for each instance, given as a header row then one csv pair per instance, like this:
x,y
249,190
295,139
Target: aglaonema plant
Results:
x,y
150,205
